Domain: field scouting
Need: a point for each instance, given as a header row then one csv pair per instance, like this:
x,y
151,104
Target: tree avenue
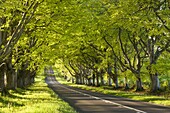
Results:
x,y
98,42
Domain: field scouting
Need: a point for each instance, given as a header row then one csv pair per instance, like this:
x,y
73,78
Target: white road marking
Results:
x,y
98,98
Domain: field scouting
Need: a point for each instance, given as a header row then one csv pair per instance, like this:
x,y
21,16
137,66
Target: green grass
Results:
x,y
37,98
142,96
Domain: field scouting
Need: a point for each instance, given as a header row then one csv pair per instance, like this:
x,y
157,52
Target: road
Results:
x,y
84,101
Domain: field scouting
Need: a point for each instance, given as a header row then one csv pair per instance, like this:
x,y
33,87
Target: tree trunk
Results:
x,y
139,86
10,79
109,81
102,79
102,72
86,81
72,79
32,79
3,74
116,74
89,81
20,83
97,79
155,85
116,82
153,56
15,79
20,79
94,79
80,79
10,73
126,83
113,75
83,79
77,79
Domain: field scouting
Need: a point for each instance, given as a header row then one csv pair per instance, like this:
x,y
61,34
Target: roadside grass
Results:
x,y
37,98
141,96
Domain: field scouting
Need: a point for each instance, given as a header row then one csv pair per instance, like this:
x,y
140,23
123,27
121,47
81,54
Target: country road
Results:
x,y
89,102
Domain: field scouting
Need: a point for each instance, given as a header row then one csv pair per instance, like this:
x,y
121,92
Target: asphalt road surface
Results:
x,y
84,101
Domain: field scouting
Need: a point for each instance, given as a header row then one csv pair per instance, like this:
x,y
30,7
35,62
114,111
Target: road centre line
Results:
x,y
104,100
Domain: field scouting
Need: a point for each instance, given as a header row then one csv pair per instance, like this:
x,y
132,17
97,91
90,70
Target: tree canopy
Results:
x,y
92,40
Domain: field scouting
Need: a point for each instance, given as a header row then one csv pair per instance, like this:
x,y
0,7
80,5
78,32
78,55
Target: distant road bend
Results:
x,y
90,102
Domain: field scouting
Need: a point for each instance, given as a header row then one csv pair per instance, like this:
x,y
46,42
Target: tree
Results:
x,y
12,25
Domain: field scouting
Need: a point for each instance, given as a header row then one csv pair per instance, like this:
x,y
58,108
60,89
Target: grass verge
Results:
x,y
37,98
141,96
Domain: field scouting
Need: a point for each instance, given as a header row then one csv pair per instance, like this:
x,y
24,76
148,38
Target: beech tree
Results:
x,y
13,21
149,20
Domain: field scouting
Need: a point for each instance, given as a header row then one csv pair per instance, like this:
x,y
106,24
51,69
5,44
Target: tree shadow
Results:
x,y
152,99
36,90
10,103
19,91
